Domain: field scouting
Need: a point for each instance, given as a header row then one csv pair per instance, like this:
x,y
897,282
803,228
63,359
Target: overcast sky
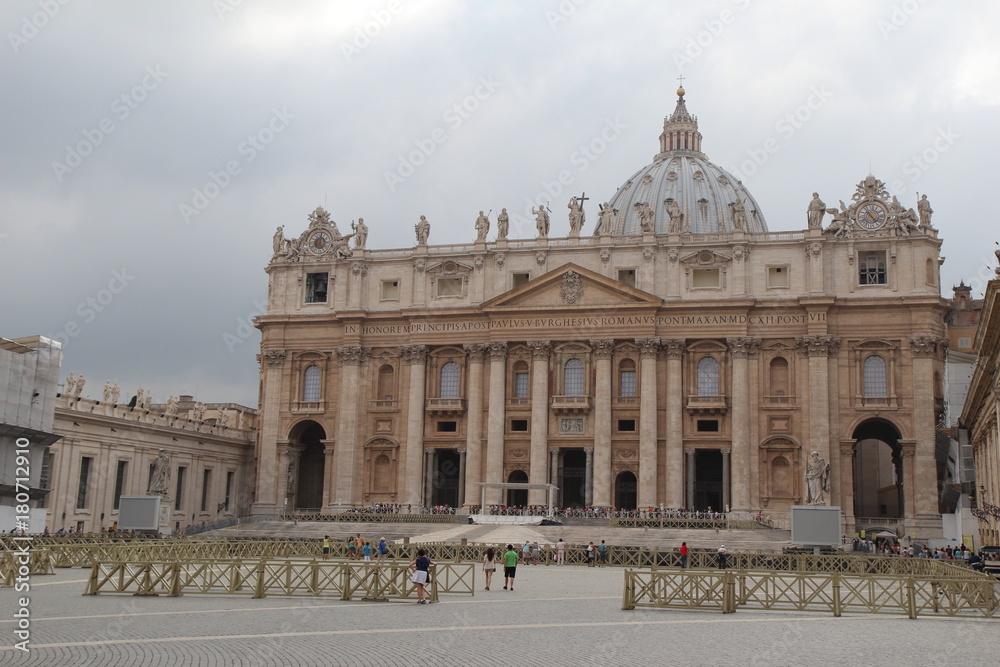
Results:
x,y
116,238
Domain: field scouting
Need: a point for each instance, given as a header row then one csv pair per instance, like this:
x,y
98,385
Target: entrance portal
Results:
x,y
307,493
446,478
708,480
878,472
517,497
625,490
572,479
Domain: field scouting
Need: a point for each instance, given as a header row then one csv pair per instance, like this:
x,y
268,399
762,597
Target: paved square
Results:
x,y
556,616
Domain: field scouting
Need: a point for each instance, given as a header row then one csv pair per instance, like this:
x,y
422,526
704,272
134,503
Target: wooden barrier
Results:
x,y
345,580
837,593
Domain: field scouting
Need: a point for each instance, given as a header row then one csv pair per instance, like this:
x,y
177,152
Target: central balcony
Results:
x,y
446,406
571,404
707,405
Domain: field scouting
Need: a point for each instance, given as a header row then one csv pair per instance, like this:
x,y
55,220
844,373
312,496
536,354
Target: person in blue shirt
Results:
x,y
420,566
383,549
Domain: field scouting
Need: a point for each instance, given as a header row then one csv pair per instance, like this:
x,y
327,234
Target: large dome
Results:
x,y
681,180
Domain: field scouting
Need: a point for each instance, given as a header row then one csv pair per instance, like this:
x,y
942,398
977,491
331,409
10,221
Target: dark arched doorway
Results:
x,y
625,490
446,478
517,497
572,478
878,473
306,492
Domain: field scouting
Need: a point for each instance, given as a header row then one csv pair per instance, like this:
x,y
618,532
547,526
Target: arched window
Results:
x,y
875,384
708,377
626,378
386,383
573,377
521,389
779,377
451,378
311,384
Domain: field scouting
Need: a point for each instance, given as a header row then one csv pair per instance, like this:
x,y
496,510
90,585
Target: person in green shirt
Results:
x,y
510,567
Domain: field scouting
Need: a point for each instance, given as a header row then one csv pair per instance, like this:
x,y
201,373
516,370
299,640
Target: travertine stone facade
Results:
x,y
682,356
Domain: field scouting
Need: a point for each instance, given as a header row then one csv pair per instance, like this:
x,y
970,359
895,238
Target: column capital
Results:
x,y
927,347
689,451
818,346
498,351
673,347
648,347
726,452
413,354
353,355
589,451
274,358
476,351
539,348
603,347
461,451
743,347
553,450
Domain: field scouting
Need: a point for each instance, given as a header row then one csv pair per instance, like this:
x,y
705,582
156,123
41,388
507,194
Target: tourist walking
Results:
x,y
561,552
602,554
722,556
489,565
383,549
684,555
509,567
367,548
421,567
525,552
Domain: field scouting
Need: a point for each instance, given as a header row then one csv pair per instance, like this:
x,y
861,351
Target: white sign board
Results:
x,y
816,525
139,513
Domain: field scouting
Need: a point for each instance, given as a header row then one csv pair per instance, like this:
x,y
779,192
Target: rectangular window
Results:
x,y
447,427
627,382
120,482
449,286
180,487
705,278
519,279
206,485
519,425
708,425
81,492
390,290
871,268
520,385
777,277
626,277
316,287
626,426
229,488
963,343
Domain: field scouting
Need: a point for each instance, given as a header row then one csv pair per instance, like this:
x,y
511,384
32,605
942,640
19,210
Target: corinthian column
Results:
x,y
925,351
647,420
351,357
741,349
540,350
271,364
602,422
496,416
474,437
674,430
415,357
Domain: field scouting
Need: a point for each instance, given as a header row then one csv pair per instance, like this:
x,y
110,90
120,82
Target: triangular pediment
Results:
x,y
572,286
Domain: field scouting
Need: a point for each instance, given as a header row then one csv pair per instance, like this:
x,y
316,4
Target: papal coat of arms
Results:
x,y
572,287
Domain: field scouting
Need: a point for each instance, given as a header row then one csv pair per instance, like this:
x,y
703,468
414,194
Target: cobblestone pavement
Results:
x,y
555,616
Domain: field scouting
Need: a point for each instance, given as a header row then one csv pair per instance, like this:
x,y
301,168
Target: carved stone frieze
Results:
x,y
500,258
741,252
813,346
648,254
602,347
672,255
606,257
743,347
359,268
540,257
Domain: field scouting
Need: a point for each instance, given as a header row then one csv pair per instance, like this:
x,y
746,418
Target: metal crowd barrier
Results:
x,y
722,523
40,561
343,580
838,593
368,517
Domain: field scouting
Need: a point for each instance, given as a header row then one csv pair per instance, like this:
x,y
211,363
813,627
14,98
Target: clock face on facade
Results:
x,y
871,215
319,242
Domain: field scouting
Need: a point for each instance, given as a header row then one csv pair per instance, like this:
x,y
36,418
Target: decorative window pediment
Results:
x,y
705,259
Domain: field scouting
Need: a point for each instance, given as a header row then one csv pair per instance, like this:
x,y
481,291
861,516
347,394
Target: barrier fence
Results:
x,y
258,579
838,593
367,517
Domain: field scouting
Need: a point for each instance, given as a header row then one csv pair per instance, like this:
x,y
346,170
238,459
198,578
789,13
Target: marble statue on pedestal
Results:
x,y
577,217
503,225
159,479
360,233
815,212
817,480
423,229
541,220
482,227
